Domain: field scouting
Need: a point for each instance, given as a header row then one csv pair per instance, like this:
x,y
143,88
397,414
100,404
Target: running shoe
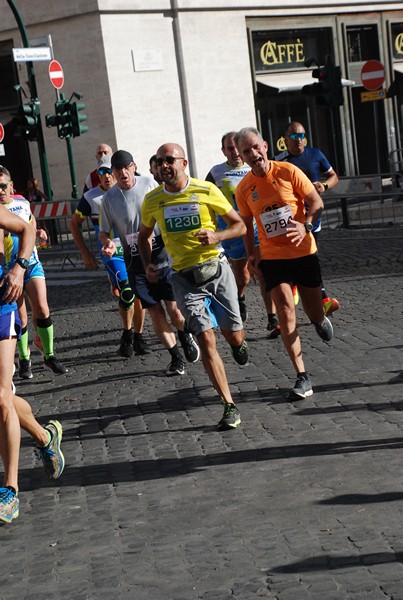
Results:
x,y
139,344
51,454
38,343
273,327
301,389
330,305
295,294
189,346
230,419
25,368
240,353
176,367
9,505
54,364
126,344
324,329
243,309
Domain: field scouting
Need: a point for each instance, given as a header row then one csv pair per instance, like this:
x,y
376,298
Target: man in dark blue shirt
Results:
x,y
315,165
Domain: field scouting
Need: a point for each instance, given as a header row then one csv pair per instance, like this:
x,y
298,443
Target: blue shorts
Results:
x,y
152,293
235,249
33,271
116,269
10,325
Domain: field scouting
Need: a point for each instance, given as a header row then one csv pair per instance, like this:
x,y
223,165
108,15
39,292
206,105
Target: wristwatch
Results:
x,y
23,262
325,185
308,227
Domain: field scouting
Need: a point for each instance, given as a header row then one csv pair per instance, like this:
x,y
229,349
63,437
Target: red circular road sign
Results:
x,y
56,74
1,133
372,75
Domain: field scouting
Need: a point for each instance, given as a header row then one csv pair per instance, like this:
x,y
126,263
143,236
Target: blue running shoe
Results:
x,y
51,455
9,505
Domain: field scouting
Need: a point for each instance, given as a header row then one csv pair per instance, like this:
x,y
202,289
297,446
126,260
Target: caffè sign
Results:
x,y
281,50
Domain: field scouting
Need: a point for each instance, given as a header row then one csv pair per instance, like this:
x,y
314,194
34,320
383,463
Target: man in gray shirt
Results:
x,y
121,211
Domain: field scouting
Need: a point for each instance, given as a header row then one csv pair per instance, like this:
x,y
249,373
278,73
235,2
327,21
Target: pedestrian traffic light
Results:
x,y
328,90
77,118
26,120
61,120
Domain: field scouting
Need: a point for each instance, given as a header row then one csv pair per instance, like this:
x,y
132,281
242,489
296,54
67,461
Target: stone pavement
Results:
x,y
303,502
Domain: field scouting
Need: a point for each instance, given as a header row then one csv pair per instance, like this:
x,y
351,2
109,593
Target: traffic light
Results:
x,y
26,120
61,120
328,91
77,118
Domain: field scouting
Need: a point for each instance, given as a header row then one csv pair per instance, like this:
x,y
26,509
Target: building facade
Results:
x,y
189,70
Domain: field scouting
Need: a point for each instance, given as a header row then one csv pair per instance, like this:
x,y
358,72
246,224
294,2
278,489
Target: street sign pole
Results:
x,y
34,96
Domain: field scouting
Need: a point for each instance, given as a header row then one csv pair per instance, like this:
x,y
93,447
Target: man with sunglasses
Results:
x,y
15,412
274,194
130,309
185,211
121,212
315,165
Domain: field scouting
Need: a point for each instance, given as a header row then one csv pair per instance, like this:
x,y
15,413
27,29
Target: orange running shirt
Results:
x,y
272,200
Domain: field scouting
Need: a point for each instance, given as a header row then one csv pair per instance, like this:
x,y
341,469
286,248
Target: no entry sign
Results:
x,y
372,75
1,133
56,74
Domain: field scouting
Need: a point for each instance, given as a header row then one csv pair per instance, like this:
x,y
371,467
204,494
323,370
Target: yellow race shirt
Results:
x,y
181,215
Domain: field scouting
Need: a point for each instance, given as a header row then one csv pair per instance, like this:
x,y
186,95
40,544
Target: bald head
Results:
x,y
103,150
171,163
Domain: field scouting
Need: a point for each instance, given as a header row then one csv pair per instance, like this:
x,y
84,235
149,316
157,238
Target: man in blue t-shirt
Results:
x,y
315,165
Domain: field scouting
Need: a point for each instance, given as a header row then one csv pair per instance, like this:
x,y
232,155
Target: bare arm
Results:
x,y
296,231
331,180
108,245
235,228
14,279
89,259
145,247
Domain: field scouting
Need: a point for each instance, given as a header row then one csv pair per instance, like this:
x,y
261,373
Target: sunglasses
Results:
x,y
168,159
3,186
104,171
296,136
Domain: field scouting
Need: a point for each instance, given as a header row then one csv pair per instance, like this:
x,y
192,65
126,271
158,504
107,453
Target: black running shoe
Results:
x,y
55,365
301,389
126,344
240,353
273,327
139,345
324,329
189,346
176,367
25,368
243,309
230,419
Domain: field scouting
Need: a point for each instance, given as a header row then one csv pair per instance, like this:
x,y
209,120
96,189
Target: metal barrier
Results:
x,y
364,206
54,218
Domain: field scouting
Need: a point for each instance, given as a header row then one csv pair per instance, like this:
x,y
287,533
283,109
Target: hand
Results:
x,y
14,281
319,187
152,273
109,249
90,262
207,237
41,235
295,231
253,268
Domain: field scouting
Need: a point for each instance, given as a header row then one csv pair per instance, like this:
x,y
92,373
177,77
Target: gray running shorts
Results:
x,y
220,296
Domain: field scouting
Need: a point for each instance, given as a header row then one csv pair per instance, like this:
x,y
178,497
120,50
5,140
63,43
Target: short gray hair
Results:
x,y
243,133
4,171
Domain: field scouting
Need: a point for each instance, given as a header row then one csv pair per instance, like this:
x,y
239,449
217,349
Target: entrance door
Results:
x,y
321,123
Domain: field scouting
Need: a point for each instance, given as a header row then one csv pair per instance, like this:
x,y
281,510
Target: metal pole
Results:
x,y
74,193
34,97
183,89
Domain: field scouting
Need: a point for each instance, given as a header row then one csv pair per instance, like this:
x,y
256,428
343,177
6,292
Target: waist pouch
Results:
x,y
202,272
